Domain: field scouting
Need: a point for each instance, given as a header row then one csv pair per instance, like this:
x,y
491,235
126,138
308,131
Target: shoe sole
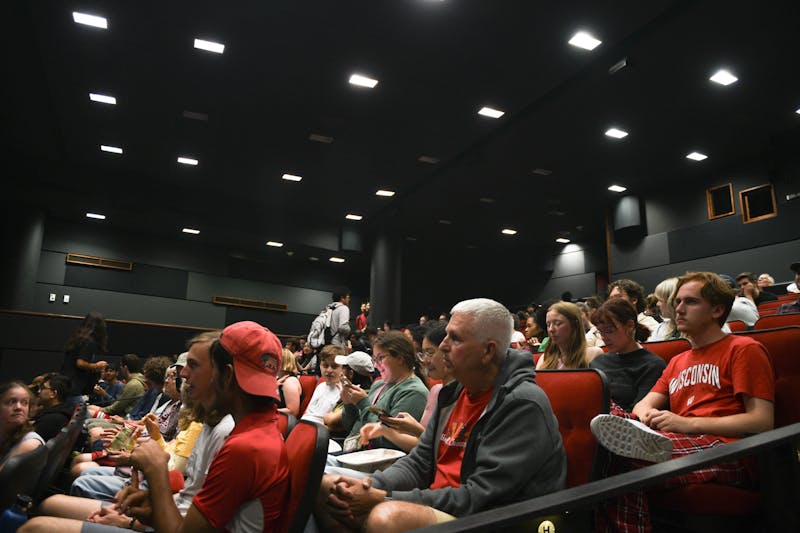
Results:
x,y
621,437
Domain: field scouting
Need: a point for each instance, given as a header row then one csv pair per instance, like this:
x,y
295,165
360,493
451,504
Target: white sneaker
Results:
x,y
631,438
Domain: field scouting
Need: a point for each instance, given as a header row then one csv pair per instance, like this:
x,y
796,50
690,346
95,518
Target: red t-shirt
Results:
x,y
453,441
709,381
251,468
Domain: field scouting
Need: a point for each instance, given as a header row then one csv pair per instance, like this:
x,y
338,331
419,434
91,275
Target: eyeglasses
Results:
x,y
607,331
378,357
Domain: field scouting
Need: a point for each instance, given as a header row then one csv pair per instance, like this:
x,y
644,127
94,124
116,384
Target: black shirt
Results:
x,y
50,421
82,380
631,375
765,296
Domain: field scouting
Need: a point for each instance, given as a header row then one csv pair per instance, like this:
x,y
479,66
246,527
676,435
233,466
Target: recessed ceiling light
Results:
x,y
316,137
619,65
187,161
562,240
384,192
97,216
542,171
584,40
428,159
312,258
616,133
723,77
336,260
509,231
411,239
487,200
90,20
292,177
445,221
191,231
112,149
102,98
351,216
275,244
209,46
798,111
363,81
195,115
696,156
491,112
617,188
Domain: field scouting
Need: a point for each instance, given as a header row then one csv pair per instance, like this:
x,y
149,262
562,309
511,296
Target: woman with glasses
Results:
x,y
631,370
54,412
400,389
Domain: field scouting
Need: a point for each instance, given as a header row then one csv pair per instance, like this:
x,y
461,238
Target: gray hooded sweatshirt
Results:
x,y
513,453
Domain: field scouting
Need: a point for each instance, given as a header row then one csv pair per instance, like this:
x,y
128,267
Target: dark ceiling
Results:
x,y
284,75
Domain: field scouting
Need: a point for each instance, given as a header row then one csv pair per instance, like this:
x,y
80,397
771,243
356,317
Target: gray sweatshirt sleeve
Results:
x,y
340,321
510,455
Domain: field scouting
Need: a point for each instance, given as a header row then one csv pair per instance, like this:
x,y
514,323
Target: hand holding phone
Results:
x,y
380,411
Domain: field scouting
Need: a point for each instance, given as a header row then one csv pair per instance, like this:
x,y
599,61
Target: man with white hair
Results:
x,y
492,440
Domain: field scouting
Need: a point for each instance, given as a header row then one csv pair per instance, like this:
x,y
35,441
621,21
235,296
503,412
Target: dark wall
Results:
x,y
174,281
680,237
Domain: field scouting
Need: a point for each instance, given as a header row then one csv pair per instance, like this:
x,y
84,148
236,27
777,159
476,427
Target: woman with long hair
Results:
x,y
16,431
666,330
401,388
631,370
289,387
567,345
82,352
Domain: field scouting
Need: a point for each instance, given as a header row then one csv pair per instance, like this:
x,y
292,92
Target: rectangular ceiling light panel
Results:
x,y
191,231
384,192
363,81
274,244
509,231
562,240
90,20
351,216
111,149
696,156
723,77
209,46
102,98
491,112
97,216
187,161
584,40
292,177
616,133
617,188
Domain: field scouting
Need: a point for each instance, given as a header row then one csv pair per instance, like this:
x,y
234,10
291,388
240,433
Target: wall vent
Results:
x,y
252,304
102,262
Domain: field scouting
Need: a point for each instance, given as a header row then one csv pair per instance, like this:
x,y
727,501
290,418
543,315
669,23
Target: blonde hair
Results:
x,y
288,362
575,354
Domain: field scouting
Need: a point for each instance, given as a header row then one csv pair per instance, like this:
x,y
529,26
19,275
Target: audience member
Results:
x,y
794,287
16,431
748,285
361,320
651,308
108,389
765,280
361,366
667,329
631,370
401,388
585,312
81,356
340,316
629,290
54,412
289,388
719,391
403,429
567,346
476,455
743,309
328,392
132,392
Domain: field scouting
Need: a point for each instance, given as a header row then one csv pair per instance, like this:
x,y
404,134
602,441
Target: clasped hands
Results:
x,y
351,498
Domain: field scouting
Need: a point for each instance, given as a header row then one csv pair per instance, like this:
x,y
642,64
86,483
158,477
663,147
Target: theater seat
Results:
x,y
21,474
307,446
737,325
307,384
286,422
666,350
576,396
777,321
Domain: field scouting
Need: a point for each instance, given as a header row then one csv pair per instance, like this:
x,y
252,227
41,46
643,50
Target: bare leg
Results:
x,y
64,506
79,468
48,524
325,520
395,516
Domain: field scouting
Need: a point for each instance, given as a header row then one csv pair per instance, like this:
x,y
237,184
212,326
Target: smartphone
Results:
x,y
380,411
345,382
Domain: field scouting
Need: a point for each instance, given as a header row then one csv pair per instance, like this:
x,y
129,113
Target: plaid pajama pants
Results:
x,y
629,513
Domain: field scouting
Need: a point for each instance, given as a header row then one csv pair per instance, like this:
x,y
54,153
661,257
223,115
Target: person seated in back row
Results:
x,y
720,390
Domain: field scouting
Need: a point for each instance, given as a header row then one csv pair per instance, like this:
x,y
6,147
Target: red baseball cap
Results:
x,y
257,354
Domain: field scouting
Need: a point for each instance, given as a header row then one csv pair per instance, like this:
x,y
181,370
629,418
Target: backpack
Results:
x,y
320,333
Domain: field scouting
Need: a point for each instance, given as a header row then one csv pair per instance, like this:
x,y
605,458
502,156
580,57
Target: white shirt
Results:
x,y
322,401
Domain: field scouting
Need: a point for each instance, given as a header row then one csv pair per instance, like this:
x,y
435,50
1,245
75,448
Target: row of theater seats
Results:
x,y
35,473
767,321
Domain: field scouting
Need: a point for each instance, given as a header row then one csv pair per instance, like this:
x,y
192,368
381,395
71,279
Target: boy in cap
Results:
x,y
247,482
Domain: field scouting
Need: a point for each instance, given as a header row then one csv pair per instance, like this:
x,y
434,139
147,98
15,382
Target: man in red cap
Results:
x,y
247,482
